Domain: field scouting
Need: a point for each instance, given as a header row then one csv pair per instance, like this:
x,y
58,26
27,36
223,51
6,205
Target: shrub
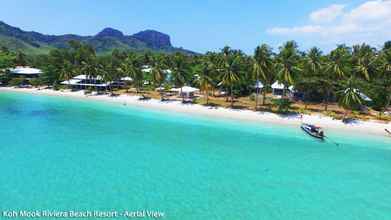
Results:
x,y
16,81
283,105
36,82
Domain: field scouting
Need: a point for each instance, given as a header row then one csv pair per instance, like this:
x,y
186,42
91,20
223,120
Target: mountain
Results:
x,y
107,40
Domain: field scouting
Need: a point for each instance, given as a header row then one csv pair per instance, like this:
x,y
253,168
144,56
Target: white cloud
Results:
x,y
327,14
369,22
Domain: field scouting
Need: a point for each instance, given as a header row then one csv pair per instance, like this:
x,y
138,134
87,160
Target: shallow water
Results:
x,y
65,154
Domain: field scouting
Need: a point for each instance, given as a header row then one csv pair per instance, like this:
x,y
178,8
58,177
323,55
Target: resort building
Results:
x,y
25,71
84,82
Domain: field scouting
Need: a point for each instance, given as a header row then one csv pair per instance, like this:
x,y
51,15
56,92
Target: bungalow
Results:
x,y
84,81
25,71
258,86
186,91
278,89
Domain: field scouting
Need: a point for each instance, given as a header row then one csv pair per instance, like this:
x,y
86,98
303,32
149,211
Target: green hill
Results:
x,y
105,41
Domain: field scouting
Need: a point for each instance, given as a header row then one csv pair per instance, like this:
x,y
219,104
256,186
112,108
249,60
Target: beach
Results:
x,y
327,123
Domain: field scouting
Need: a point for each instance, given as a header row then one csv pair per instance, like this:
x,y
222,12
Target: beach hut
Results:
x,y
186,91
258,85
278,89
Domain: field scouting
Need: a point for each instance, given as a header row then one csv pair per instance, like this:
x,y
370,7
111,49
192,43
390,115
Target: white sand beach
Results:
x,y
364,127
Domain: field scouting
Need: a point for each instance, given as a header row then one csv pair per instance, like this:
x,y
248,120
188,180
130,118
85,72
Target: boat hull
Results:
x,y
313,134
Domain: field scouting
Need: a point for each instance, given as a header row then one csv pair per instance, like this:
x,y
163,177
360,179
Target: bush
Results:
x,y
17,81
252,97
283,105
36,82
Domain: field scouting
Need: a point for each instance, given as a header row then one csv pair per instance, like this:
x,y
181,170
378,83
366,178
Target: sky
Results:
x,y
202,25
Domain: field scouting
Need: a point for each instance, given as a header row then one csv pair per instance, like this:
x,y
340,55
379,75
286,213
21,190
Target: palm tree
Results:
x,y
107,76
204,79
129,68
350,96
262,70
384,78
288,59
89,68
158,76
339,62
66,71
179,70
231,74
364,60
310,77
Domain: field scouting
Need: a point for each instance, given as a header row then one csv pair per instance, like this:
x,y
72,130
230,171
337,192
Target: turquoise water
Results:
x,y
66,154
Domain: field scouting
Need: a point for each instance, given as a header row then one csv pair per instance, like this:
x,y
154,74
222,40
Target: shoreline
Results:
x,y
363,127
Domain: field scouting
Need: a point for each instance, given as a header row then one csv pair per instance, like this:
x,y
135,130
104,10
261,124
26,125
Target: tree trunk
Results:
x,y
226,95
305,101
207,97
256,99
160,92
232,97
264,96
388,102
326,101
183,97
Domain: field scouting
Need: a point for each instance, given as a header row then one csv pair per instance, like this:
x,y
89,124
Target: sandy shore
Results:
x,y
365,127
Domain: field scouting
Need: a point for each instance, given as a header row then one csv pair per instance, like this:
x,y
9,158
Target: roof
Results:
x,y
83,77
258,85
71,82
146,70
127,78
365,97
362,95
175,90
278,85
22,70
187,89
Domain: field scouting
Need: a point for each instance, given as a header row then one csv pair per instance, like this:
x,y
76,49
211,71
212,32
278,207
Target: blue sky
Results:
x,y
210,25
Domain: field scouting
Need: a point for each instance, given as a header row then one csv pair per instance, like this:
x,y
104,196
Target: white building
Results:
x,y
186,91
278,89
84,81
25,71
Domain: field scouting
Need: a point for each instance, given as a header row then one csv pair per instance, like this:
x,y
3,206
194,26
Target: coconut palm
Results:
x,y
287,65
310,77
363,61
66,72
89,68
340,59
129,68
204,79
158,76
384,78
262,69
179,71
231,74
349,96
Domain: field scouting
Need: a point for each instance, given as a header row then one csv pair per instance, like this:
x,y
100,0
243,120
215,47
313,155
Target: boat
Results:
x,y
313,130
